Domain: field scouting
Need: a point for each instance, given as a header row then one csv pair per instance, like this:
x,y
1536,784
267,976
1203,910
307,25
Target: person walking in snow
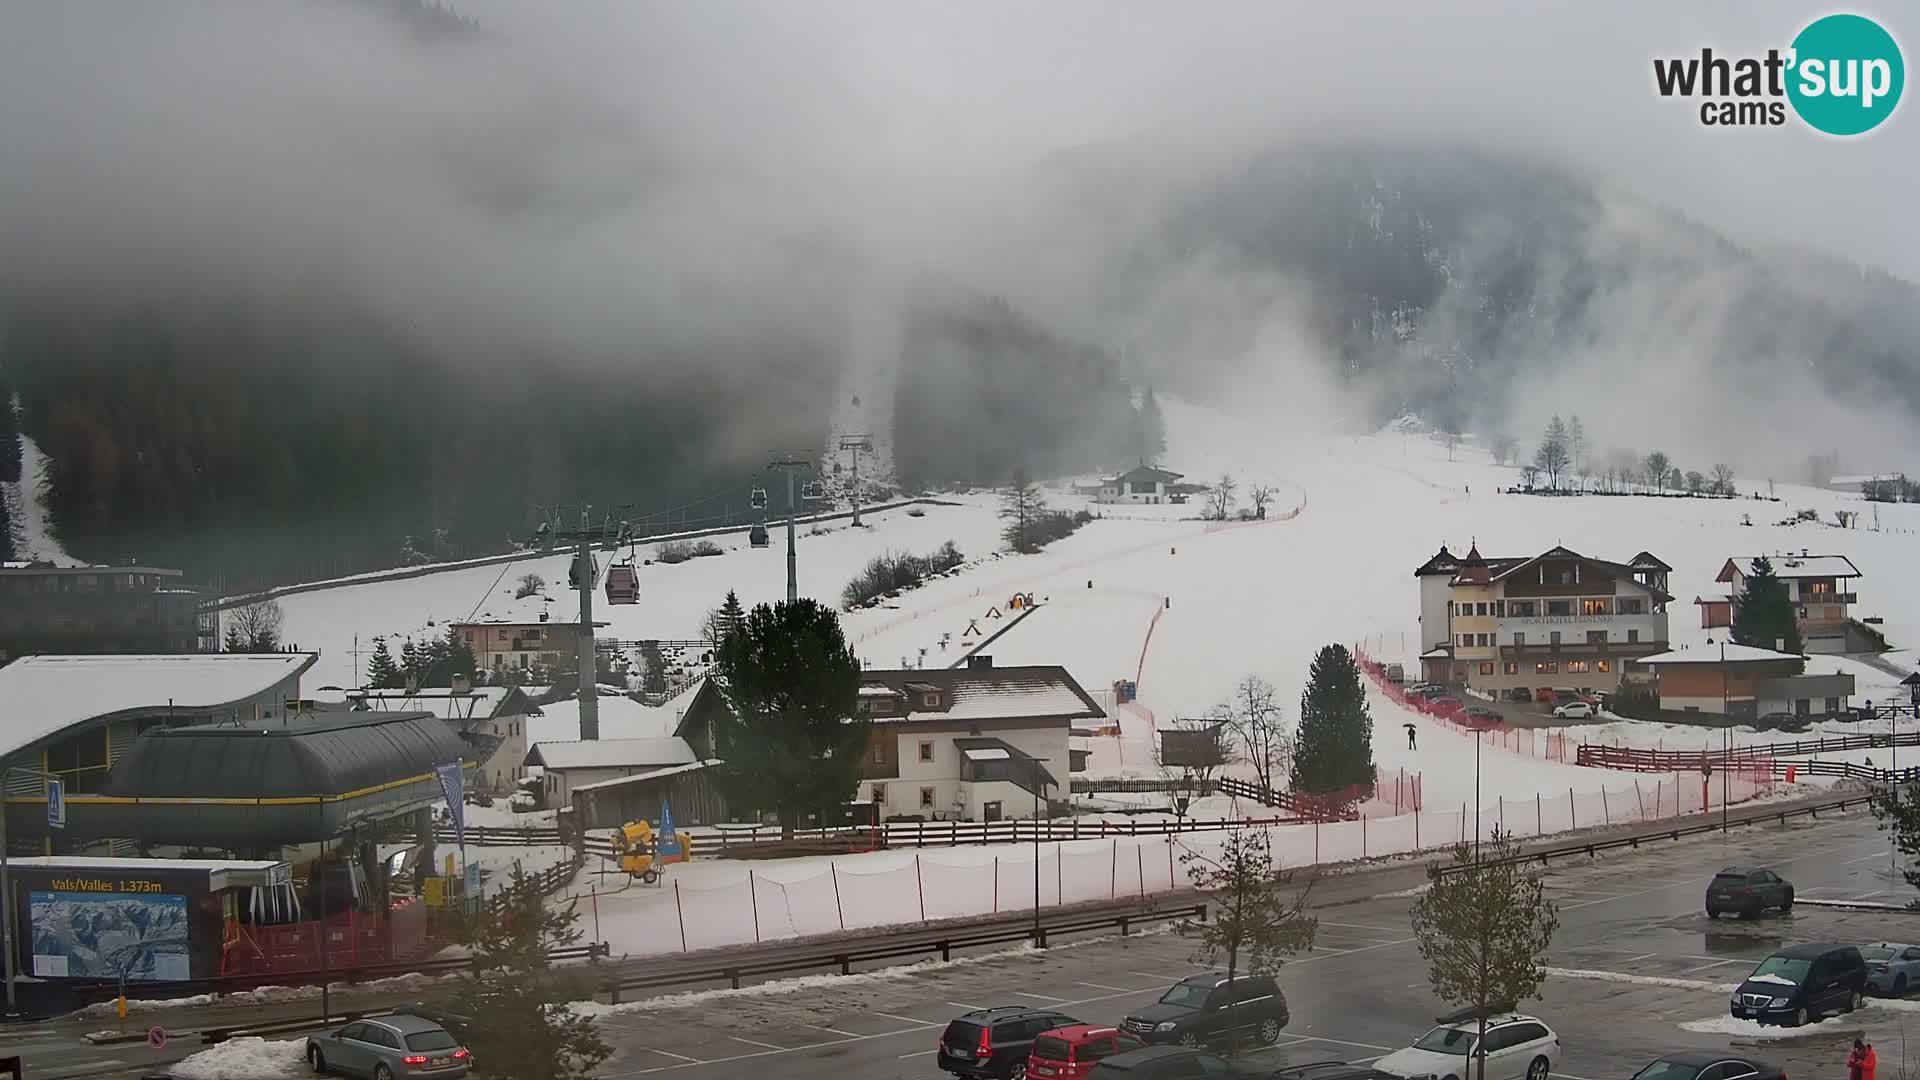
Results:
x,y
1412,741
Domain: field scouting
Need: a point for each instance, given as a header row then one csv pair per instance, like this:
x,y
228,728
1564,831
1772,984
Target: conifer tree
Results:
x,y
1763,614
411,662
523,1024
456,659
382,672
1334,748
789,739
1022,507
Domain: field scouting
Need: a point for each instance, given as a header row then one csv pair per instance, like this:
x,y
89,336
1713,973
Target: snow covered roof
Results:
x,y
233,871
986,753
1793,566
612,753
1711,654
46,695
1037,692
25,568
650,774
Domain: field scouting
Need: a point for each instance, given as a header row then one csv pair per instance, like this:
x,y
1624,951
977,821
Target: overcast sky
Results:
x,y
989,83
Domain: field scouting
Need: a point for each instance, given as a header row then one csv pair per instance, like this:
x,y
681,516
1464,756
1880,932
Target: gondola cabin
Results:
x,y
591,567
757,536
623,584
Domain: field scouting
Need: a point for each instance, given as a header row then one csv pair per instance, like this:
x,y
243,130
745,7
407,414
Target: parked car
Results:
x,y
1573,710
1891,969
1208,1008
1747,891
1801,983
389,1048
1430,690
1480,715
1518,1048
1329,1070
1070,1053
1172,1063
1694,1065
1519,693
995,1044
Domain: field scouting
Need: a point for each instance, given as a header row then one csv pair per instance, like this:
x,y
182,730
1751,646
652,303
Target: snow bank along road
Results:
x,y
1635,960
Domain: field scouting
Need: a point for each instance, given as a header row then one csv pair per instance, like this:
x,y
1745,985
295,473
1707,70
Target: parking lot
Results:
x,y
1635,959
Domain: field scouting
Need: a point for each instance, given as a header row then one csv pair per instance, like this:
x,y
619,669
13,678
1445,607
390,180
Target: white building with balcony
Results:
x,y
1557,619
1822,588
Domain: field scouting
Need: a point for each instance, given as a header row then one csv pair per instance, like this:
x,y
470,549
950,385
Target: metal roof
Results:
x,y
332,755
611,753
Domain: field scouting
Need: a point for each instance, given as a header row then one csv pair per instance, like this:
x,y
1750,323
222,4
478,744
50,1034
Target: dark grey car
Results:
x,y
397,1047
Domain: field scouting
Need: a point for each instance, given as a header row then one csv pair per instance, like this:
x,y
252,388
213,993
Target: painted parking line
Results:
x,y
915,1054
909,1019
1163,976
1714,964
671,1054
1050,999
761,1045
837,1031
1116,989
1361,926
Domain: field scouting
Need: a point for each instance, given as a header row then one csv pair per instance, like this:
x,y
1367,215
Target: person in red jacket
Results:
x,y
1862,1062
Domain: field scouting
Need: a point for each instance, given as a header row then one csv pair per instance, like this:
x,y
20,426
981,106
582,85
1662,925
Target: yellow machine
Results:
x,y
639,850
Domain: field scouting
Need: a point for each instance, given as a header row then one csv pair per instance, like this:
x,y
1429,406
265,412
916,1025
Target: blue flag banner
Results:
x,y
452,785
669,845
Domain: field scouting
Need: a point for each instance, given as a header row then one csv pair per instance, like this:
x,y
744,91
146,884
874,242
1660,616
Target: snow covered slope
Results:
x,y
1188,607
26,507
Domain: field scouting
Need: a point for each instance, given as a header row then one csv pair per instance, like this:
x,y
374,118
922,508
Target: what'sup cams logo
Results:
x,y
1842,76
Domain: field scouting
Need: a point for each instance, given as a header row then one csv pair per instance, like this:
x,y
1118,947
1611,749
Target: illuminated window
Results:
x,y
1545,667
1594,607
1576,667
1603,666
1487,669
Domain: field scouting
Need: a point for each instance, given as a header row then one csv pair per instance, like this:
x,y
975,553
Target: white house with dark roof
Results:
x,y
1821,587
975,743
1143,483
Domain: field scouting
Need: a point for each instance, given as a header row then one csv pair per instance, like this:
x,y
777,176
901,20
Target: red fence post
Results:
x,y
681,912
996,884
1573,813
754,895
921,885
1539,817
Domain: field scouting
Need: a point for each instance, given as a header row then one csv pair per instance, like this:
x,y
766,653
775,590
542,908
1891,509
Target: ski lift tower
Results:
x,y
856,443
585,576
793,467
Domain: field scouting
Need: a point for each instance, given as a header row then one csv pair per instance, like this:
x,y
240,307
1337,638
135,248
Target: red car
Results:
x,y
1070,1053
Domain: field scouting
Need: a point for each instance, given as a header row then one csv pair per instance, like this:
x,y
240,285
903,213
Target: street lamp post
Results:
x,y
1477,732
1727,742
1039,794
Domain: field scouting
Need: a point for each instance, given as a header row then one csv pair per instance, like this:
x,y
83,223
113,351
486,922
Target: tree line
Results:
x,y
1565,461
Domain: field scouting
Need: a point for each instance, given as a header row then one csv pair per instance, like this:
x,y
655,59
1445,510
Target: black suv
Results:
x,y
1330,1070
1171,1063
993,1044
1747,891
1210,1009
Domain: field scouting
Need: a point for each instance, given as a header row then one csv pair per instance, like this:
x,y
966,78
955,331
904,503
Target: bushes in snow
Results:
x,y
679,551
1055,524
896,572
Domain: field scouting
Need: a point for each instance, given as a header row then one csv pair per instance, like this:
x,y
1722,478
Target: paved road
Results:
x,y
1635,957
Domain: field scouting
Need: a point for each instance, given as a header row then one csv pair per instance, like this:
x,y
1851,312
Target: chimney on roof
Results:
x,y
979,660
460,685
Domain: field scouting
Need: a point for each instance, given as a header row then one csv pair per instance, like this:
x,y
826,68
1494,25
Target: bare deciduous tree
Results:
x,y
1257,725
254,627
1529,476
1220,498
1261,495
1658,465
1722,480
529,585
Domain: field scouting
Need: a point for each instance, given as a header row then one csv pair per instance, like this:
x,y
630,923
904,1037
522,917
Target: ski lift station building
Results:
x,y
214,750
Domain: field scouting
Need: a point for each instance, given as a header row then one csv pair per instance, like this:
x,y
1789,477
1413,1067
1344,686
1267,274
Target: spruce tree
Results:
x,y
456,659
524,1025
1022,507
411,662
789,739
1334,748
725,619
1763,614
382,672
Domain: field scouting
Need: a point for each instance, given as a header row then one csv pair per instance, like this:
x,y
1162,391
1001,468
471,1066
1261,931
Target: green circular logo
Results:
x,y
1847,74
